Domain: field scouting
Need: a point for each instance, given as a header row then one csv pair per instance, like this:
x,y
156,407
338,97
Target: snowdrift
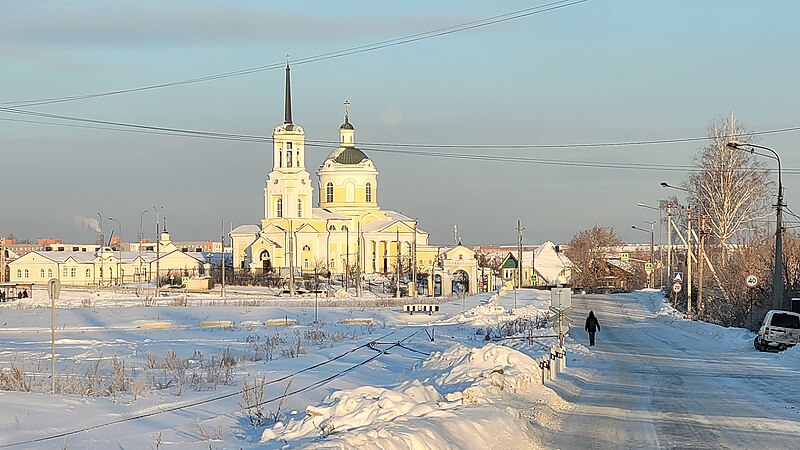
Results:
x,y
452,408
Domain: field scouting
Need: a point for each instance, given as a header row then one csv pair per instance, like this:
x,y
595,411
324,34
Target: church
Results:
x,y
347,231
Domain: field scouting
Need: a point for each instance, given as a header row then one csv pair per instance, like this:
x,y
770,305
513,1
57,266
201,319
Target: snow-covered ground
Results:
x,y
133,373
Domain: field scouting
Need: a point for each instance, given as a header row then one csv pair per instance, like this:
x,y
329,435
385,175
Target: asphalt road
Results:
x,y
650,385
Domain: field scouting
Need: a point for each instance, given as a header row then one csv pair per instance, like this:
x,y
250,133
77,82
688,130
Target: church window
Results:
x,y
299,207
41,273
329,192
279,207
369,192
289,158
49,273
288,146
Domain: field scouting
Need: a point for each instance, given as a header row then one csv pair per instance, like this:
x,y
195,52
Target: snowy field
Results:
x,y
197,371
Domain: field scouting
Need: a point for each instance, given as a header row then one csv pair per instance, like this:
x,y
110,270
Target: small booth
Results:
x,y
15,291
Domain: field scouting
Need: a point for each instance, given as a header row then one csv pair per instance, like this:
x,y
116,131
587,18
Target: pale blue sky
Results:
x,y
601,71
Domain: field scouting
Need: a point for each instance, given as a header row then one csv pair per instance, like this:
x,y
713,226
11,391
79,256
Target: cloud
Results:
x,y
131,24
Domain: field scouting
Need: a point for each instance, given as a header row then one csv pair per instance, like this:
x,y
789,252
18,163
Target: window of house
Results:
x,y
49,273
279,207
73,272
41,273
27,274
329,192
369,192
88,273
19,273
64,272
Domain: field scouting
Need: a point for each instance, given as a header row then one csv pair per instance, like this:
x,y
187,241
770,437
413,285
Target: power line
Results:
x,y
378,147
493,20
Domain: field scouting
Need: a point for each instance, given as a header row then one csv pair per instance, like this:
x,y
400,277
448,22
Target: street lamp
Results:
x,y
649,280
158,249
119,249
660,240
141,238
102,245
777,275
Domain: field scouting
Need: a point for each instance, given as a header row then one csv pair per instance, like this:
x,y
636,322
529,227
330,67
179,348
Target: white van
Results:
x,y
779,331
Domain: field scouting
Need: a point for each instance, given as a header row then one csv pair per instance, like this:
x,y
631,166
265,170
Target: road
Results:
x,y
651,385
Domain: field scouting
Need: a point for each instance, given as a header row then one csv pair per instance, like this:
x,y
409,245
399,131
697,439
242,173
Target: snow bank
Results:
x,y
416,415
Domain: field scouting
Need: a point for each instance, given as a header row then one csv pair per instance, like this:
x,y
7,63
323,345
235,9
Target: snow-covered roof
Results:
x,y
325,213
246,229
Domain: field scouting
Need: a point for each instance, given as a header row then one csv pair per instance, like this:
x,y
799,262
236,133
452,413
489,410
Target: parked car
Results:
x,y
779,331
578,291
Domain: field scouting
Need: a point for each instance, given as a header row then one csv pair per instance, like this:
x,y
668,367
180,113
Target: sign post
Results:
x,y
53,291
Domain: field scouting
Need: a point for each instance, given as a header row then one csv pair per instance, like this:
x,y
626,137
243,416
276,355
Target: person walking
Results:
x,y
592,327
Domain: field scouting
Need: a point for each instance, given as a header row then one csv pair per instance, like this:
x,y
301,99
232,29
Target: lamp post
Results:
x,y
777,275
660,241
158,250
649,280
102,245
141,238
119,250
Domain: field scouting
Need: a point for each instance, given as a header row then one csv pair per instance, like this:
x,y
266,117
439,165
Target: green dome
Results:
x,y
350,155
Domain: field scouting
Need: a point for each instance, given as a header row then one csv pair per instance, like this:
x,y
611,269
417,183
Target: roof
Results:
x,y
325,213
246,229
350,155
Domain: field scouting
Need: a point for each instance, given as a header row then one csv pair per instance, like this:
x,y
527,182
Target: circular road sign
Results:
x,y
751,281
676,287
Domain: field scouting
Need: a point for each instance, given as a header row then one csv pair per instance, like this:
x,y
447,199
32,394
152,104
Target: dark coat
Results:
x,y
592,325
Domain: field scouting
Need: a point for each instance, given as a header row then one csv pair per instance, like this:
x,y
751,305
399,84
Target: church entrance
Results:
x,y
266,261
460,282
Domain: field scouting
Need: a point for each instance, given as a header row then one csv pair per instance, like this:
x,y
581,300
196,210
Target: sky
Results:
x,y
593,72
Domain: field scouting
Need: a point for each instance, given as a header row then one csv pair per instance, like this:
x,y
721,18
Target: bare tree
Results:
x,y
587,250
730,187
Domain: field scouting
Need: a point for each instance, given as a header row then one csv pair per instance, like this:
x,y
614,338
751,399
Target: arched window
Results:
x,y
306,248
88,273
369,192
27,274
299,207
41,273
329,192
332,228
19,273
49,273
279,207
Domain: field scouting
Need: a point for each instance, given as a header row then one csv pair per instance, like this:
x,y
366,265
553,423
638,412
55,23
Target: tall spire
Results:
x,y
287,119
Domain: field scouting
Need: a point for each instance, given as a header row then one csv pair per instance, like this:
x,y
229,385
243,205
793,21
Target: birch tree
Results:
x,y
730,187
587,251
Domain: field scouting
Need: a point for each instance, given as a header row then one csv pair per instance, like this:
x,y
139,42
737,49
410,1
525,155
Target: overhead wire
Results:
x,y
492,20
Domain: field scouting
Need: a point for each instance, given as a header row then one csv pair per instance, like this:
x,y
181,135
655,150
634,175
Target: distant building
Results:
x,y
79,265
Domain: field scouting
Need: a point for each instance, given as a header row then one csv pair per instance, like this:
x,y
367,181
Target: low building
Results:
x,y
105,266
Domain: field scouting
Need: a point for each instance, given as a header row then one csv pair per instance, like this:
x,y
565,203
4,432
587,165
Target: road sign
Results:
x,y
624,256
751,281
184,281
678,277
533,278
561,298
648,267
676,287
53,289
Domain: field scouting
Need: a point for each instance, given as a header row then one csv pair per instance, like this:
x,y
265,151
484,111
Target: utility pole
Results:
x,y
414,260
519,254
397,259
669,209
2,259
102,245
222,255
702,264
358,262
689,263
291,259
158,251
